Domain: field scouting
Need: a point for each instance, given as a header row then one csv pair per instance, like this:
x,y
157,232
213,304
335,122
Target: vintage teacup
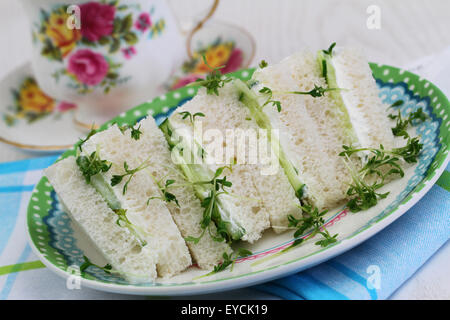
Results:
x,y
105,56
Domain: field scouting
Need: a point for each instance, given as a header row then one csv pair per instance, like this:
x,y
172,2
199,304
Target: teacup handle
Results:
x,y
199,26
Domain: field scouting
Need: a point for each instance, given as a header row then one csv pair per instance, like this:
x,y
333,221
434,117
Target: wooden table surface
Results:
x,y
410,29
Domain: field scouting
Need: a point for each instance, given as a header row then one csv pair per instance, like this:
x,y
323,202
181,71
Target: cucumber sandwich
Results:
x,y
326,103
125,209
252,203
302,136
105,189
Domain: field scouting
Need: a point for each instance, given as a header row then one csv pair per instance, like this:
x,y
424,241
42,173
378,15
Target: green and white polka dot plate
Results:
x,y
61,246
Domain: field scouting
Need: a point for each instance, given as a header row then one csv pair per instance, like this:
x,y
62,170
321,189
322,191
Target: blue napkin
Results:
x,y
17,180
373,270
380,265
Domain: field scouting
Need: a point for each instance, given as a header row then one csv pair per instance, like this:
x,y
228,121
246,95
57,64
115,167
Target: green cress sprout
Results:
x,y
214,80
116,179
402,124
82,141
381,164
186,114
135,132
330,50
228,259
312,219
124,222
166,195
87,263
91,165
263,64
211,208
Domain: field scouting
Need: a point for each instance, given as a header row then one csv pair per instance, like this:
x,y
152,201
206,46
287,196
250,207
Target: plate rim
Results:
x,y
25,68
269,273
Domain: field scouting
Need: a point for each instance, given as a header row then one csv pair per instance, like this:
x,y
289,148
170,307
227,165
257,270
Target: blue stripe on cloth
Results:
x,y
9,283
12,179
330,277
9,210
354,276
397,252
11,189
309,287
26,165
273,288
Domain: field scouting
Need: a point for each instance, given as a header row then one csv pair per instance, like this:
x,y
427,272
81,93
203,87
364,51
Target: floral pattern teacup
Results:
x,y
105,56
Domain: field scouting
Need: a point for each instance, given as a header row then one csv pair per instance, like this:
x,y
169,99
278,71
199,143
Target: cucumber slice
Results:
x,y
329,73
250,100
197,172
103,187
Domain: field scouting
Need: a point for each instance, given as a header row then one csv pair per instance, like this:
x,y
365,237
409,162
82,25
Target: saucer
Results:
x,y
30,119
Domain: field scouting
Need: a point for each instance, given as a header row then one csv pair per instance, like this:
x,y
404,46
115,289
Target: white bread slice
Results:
x,y
311,134
260,203
154,218
87,209
188,215
367,112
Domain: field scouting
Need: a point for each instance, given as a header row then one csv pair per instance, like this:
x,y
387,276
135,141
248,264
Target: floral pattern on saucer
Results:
x,y
32,104
30,119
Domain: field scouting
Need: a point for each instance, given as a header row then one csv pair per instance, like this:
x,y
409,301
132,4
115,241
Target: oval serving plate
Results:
x,y
61,247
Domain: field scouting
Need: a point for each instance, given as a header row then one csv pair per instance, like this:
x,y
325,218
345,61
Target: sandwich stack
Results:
x,y
155,200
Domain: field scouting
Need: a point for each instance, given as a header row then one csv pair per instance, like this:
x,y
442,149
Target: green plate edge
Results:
x,y
40,202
